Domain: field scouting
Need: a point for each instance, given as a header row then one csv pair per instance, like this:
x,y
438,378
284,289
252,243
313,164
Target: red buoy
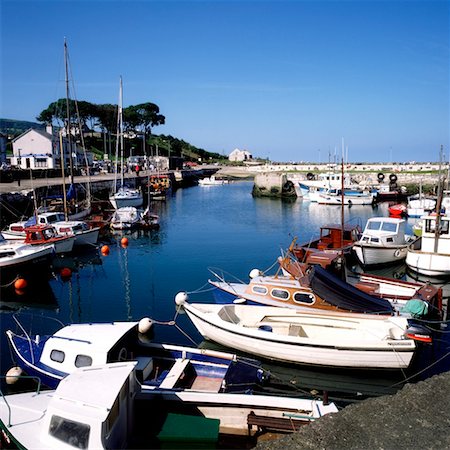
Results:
x,y
105,250
20,283
124,242
65,273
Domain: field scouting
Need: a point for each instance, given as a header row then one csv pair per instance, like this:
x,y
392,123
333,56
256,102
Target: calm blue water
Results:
x,y
201,227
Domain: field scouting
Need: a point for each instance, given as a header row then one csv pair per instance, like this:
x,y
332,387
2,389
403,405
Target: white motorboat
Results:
x,y
287,335
193,384
353,197
126,218
419,206
212,181
429,254
14,255
126,197
83,233
383,241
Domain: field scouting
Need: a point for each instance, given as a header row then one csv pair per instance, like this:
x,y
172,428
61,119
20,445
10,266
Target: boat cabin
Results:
x,y
38,234
429,234
332,240
385,232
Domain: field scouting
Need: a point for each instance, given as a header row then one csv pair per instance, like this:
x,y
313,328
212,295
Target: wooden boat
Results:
x,y
421,299
312,288
429,254
159,186
86,412
383,241
284,334
332,240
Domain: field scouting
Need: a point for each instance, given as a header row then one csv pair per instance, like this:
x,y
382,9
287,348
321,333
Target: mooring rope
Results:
x,y
9,284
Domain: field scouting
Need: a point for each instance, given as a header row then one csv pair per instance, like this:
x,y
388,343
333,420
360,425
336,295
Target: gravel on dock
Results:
x,y
417,417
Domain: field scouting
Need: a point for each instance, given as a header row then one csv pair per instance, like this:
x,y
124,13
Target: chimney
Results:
x,y
49,128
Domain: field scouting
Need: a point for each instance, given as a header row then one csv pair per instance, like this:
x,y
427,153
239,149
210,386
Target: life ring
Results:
x,y
397,253
393,177
122,354
310,176
380,176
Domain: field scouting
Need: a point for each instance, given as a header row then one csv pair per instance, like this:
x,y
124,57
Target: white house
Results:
x,y
40,149
240,155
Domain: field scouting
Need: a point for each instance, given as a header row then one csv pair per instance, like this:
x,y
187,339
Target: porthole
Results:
x,y
280,294
57,356
83,361
302,297
259,290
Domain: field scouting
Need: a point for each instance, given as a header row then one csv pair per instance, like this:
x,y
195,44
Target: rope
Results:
x,y
10,284
420,371
201,289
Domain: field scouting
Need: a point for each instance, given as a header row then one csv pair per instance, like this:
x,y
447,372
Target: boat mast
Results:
x,y
342,201
68,133
437,228
120,121
61,147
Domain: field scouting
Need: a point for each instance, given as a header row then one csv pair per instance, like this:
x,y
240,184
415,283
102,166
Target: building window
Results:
x,y
40,162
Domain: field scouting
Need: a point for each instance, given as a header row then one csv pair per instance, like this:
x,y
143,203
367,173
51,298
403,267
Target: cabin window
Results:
x,y
57,356
373,225
301,297
375,239
73,433
280,293
365,239
389,226
259,290
83,361
389,239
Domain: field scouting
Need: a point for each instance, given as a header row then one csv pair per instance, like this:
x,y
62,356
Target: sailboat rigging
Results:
x,y
124,196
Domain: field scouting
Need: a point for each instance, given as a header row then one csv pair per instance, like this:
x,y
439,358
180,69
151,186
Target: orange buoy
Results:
x,y
20,283
124,242
20,291
105,250
65,273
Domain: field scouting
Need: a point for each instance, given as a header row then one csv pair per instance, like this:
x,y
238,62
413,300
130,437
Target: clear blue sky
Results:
x,y
282,79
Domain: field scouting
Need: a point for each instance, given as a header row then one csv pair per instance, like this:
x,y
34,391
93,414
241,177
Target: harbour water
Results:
x,y
203,226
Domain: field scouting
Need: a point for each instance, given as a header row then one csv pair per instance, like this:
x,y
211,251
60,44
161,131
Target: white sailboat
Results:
x,y
124,196
65,223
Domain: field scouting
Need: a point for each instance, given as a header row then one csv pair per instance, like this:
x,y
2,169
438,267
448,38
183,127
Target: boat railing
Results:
x,y
32,318
5,377
224,276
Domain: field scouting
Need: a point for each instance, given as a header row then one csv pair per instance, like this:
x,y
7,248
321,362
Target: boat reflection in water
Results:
x,y
38,293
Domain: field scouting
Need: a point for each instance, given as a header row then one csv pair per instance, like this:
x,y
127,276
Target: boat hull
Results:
x,y
125,202
371,255
428,263
266,344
